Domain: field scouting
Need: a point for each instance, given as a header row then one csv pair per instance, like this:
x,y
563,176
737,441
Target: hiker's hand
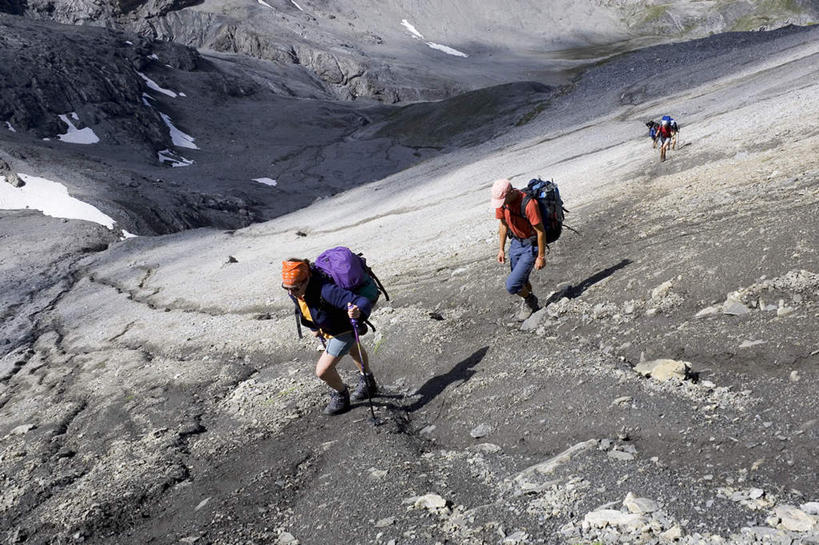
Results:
x,y
316,333
540,262
501,257
353,312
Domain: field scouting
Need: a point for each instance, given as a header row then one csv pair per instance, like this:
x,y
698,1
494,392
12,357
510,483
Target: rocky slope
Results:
x,y
159,394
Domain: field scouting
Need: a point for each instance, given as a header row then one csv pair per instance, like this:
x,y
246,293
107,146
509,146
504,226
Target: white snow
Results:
x,y
417,35
153,56
129,42
75,135
266,181
8,125
262,2
295,4
176,160
145,98
51,198
412,29
446,49
178,137
153,85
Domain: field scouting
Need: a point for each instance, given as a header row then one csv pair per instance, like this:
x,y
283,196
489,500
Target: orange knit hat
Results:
x,y
294,272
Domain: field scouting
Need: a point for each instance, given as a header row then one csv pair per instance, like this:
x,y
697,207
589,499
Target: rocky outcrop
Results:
x,y
91,74
10,175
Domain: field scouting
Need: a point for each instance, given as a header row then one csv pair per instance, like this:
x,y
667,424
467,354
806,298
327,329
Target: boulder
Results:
x,y
664,369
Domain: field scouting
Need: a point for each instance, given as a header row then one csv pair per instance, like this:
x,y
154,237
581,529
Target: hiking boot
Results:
x,y
365,388
528,306
339,402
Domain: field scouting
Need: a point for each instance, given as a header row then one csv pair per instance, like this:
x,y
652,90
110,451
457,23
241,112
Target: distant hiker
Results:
x,y
327,309
652,132
675,128
528,247
664,137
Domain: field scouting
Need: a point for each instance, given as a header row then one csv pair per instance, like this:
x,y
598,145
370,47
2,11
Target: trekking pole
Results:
x,y
354,323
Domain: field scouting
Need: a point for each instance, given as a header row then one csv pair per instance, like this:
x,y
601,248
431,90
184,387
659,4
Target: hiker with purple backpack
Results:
x,y
336,315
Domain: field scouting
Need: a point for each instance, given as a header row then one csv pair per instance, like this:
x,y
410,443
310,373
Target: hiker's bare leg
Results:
x,y
361,359
326,371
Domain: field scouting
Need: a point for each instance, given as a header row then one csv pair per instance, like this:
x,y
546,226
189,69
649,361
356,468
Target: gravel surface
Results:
x,y
160,394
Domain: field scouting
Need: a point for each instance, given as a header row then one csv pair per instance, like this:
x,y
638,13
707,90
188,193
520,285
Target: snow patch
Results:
x,y
266,181
446,49
153,85
262,2
129,42
75,135
9,127
173,158
50,198
406,24
295,4
178,137
153,56
418,36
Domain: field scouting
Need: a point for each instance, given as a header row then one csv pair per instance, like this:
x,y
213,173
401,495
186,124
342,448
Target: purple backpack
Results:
x,y
345,268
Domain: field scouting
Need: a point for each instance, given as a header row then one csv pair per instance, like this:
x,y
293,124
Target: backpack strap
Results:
x,y
379,284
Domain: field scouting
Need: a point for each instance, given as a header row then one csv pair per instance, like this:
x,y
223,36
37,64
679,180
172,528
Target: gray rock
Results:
x,y
793,519
709,311
811,508
620,455
22,429
430,502
639,505
611,517
481,430
487,448
664,369
10,176
286,538
533,322
733,307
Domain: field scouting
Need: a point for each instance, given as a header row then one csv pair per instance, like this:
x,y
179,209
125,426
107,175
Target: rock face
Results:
x,y
350,47
51,70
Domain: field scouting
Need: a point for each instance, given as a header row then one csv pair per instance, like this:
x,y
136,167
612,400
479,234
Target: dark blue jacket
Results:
x,y
328,306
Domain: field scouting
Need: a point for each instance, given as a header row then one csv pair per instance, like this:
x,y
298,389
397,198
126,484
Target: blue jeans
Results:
x,y
522,260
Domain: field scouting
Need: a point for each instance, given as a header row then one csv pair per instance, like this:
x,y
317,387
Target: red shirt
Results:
x,y
519,226
664,131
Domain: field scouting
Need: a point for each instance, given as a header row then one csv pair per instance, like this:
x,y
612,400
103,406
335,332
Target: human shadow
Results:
x,y
576,290
462,371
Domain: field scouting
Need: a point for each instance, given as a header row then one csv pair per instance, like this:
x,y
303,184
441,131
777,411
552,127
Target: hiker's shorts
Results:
x,y
522,260
663,140
340,344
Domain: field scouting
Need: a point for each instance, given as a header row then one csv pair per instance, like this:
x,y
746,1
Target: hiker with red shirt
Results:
x,y
664,134
528,247
327,309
